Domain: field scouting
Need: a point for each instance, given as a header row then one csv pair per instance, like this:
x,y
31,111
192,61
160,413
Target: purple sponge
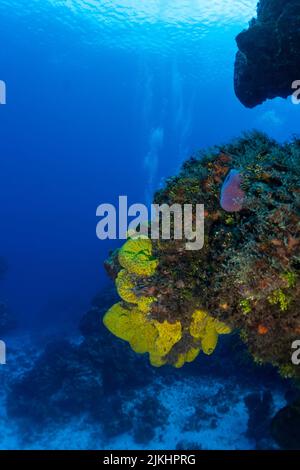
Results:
x,y
232,195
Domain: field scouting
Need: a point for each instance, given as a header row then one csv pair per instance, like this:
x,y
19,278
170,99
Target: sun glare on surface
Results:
x,y
169,10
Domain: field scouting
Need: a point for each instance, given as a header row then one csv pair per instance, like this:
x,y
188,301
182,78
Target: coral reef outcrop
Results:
x,y
246,278
132,320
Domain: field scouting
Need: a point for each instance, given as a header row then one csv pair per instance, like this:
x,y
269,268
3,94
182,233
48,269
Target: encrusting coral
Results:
x,y
244,279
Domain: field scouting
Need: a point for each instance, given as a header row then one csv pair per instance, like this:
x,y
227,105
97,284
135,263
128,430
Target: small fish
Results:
x,y
232,195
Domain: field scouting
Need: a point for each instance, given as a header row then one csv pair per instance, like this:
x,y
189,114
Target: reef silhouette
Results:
x,y
267,62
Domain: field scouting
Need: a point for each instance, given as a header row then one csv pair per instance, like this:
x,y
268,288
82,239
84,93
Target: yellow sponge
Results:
x,y
136,256
169,334
118,321
210,341
144,303
198,324
221,328
125,284
189,356
157,361
145,335
192,354
131,325
125,287
207,329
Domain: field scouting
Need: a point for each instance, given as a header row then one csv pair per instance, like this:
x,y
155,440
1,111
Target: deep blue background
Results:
x,y
99,107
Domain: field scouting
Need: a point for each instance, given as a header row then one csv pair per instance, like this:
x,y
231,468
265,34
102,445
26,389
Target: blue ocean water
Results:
x,y
106,98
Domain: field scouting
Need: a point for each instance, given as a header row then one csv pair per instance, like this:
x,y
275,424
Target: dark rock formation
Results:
x,y
269,53
100,380
286,427
94,378
259,406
